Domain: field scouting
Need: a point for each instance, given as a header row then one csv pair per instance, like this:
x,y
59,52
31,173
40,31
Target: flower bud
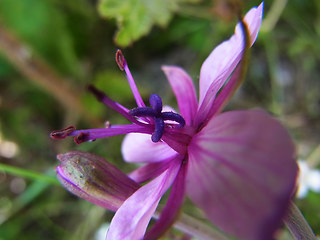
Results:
x,y
91,177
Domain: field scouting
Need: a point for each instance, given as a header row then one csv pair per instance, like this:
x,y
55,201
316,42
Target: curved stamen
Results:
x,y
143,112
158,130
122,63
155,102
173,117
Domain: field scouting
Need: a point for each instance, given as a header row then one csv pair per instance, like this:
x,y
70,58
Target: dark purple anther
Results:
x,y
63,133
97,93
80,138
155,111
121,61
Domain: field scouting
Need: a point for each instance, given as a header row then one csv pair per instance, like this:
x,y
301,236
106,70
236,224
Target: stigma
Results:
x,y
159,117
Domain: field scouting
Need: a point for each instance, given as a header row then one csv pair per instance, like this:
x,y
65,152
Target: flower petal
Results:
x,y
184,90
222,61
173,205
225,94
149,171
91,177
132,218
139,148
242,173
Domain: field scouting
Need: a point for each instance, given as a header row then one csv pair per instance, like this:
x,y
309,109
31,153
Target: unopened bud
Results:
x,y
91,177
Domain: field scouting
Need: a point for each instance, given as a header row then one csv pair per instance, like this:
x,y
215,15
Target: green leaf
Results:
x,y
135,18
115,85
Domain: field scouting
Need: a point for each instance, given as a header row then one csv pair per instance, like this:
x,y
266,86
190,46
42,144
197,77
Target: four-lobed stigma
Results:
x,y
155,112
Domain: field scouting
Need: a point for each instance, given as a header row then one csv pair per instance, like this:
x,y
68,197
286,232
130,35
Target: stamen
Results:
x,y
102,97
82,137
121,61
63,133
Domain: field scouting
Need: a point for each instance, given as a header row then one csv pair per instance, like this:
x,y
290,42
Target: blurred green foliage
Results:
x,y
135,18
45,26
76,38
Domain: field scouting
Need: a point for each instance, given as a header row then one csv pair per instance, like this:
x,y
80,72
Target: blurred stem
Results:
x,y
195,227
314,158
297,224
272,59
273,15
34,189
38,71
28,174
196,11
94,217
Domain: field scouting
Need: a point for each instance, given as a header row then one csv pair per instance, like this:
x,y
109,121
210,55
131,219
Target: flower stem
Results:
x,y
297,224
195,227
20,172
274,15
198,229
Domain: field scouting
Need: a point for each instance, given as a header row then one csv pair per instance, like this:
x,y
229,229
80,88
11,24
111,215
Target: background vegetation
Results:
x,y
50,50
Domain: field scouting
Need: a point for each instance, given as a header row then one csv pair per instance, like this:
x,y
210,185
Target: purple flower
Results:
x,y
237,166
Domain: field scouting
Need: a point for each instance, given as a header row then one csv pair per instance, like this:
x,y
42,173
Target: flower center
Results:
x,y
155,112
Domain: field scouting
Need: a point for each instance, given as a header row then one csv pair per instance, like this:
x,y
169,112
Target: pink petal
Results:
x,y
222,61
171,210
149,171
221,100
184,90
91,177
139,148
132,218
242,172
